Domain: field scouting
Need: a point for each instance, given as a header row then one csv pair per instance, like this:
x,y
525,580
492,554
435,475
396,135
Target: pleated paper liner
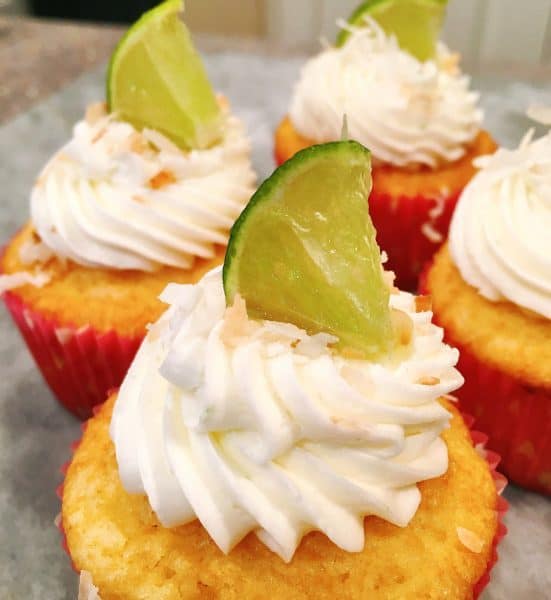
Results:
x,y
80,365
410,229
479,443
516,417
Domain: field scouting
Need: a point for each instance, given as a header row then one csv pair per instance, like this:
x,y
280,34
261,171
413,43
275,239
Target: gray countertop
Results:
x,y
35,433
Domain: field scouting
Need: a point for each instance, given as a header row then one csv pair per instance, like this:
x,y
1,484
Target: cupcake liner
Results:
x,y
479,440
516,417
80,365
410,229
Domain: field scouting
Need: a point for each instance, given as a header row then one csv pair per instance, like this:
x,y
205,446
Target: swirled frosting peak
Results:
x,y
256,426
500,236
405,111
117,198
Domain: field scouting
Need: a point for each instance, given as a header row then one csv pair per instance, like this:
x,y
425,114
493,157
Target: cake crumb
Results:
x,y
470,540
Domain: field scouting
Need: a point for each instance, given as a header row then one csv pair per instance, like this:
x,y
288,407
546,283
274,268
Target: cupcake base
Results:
x,y
117,538
411,209
84,326
505,357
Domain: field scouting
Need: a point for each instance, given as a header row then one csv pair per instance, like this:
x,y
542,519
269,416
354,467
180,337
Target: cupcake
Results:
x,y
318,454
492,294
416,113
126,206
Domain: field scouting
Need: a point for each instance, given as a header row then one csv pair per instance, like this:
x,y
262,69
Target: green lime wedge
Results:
x,y
156,80
415,23
304,252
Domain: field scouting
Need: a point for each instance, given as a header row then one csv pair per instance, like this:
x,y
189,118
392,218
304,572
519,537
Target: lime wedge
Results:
x,y
415,23
304,252
156,80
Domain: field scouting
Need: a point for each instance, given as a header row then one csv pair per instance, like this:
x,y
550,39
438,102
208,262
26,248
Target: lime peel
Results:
x,y
156,80
415,23
304,251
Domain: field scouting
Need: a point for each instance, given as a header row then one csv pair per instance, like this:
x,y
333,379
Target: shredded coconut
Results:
x,y
161,142
32,251
470,540
540,114
86,588
431,233
16,280
438,208
236,322
63,334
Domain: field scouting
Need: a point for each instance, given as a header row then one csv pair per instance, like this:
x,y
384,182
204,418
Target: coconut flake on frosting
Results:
x,y
500,232
256,426
117,198
405,111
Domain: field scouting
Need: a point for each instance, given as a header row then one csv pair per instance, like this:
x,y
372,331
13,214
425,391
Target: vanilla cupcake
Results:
x,y
246,456
492,293
420,120
117,213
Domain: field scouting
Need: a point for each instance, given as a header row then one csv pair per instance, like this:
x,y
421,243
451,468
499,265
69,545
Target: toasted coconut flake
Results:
x,y
450,63
388,278
161,142
137,143
423,304
223,102
139,199
95,112
236,322
99,134
470,540
428,380
16,280
351,353
162,179
86,588
403,326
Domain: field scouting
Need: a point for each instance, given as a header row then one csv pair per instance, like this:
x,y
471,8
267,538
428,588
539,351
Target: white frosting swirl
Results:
x,y
257,426
405,111
500,236
101,202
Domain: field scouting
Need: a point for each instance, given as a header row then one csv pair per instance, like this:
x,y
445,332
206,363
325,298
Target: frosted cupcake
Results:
x,y
121,210
418,116
315,454
491,291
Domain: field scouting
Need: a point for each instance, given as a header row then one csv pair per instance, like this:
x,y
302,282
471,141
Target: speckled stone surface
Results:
x,y
35,433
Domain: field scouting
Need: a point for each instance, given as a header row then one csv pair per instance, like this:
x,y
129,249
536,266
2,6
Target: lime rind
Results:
x,y
157,80
304,252
415,23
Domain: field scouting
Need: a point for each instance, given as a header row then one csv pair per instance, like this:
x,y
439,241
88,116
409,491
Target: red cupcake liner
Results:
x,y
410,229
479,441
516,416
80,365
